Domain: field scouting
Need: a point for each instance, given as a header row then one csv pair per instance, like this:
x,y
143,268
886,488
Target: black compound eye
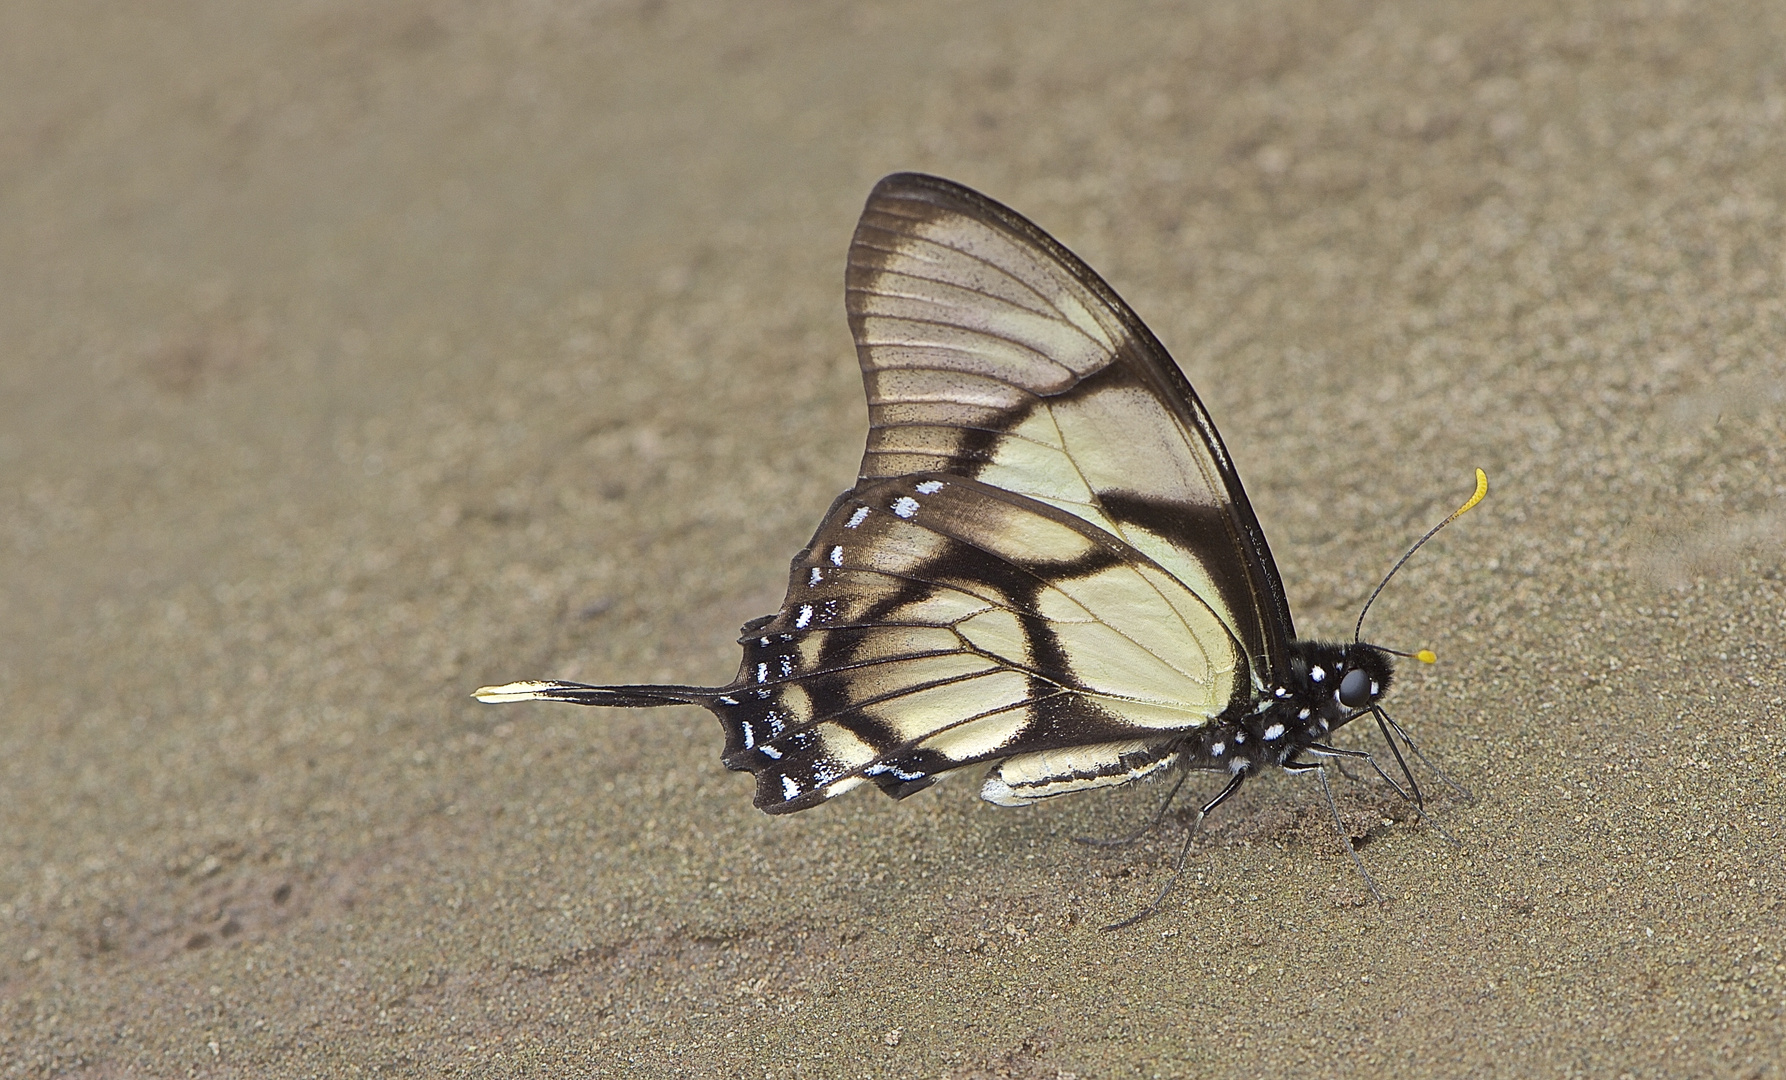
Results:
x,y
1355,689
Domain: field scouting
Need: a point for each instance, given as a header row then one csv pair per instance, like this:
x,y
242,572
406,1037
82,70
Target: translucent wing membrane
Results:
x,y
990,351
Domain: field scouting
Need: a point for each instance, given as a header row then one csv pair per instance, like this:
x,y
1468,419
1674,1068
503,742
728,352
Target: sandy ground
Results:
x,y
352,359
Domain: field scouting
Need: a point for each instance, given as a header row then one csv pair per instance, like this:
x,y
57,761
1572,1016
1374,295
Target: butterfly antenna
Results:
x,y
1425,656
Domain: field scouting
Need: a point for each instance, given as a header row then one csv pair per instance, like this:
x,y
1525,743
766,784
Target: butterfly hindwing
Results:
x,y
1032,777
935,621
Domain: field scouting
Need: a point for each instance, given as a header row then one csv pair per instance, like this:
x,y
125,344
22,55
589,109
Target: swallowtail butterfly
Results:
x,y
1048,562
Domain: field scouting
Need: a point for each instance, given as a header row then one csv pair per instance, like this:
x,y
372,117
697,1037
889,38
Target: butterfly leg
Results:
x,y
1333,808
1413,799
1384,717
1184,773
1323,750
1340,764
1184,853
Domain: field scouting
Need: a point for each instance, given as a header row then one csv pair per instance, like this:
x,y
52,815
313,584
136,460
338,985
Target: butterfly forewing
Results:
x,y
990,351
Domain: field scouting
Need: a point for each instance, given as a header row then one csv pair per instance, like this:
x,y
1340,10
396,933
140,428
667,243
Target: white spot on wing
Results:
x,y
837,555
771,752
905,506
1317,673
857,518
805,617
841,786
930,487
789,788
762,673
1275,731
750,735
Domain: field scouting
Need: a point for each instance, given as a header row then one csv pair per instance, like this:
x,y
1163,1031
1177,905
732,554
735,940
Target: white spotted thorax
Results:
x,y
1047,565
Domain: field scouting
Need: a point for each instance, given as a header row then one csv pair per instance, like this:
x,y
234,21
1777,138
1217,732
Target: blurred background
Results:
x,y
354,356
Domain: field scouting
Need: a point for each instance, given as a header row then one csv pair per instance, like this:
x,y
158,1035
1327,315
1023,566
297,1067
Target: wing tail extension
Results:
x,y
622,697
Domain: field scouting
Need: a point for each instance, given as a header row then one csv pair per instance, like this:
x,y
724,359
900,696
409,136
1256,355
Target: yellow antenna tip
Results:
x,y
1427,656
1481,493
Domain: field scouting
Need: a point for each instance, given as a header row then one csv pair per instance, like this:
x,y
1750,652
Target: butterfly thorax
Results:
x,y
1325,686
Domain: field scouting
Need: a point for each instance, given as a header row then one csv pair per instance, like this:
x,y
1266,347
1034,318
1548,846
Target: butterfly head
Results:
x,y
1337,683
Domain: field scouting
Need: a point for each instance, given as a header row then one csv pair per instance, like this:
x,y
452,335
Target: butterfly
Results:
x,y
1047,564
